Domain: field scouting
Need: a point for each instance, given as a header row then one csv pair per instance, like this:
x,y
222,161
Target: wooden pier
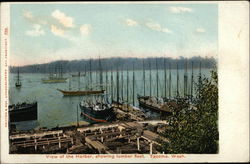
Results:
x,y
36,135
99,137
129,137
41,139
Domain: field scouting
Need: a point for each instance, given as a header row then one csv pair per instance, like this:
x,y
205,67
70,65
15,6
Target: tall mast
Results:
x,y
157,79
96,73
85,70
144,90
200,69
111,84
70,83
117,85
106,80
185,80
200,72
170,81
77,119
127,86
90,73
177,80
60,71
86,80
79,82
100,70
79,78
150,79
50,71
56,72
199,79
18,75
192,78
133,86
165,78
122,84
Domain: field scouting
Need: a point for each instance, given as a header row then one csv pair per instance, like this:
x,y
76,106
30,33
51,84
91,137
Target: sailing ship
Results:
x,y
97,109
120,87
168,104
78,74
155,103
23,112
54,80
85,92
18,82
57,77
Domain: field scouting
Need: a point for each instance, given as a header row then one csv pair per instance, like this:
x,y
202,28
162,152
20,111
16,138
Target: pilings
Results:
x,y
138,143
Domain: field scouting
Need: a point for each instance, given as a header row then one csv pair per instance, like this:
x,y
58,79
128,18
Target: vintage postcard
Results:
x,y
122,82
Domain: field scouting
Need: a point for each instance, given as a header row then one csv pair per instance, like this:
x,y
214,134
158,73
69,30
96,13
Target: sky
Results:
x,y
43,33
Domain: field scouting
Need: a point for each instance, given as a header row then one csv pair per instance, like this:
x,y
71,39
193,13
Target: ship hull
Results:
x,y
18,85
61,80
78,75
25,113
79,93
97,116
147,106
143,103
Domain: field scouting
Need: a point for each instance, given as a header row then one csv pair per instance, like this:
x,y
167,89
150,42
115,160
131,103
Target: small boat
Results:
x,y
80,92
23,112
97,110
18,82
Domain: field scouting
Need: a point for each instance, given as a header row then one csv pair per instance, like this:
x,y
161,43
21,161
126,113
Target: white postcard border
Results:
x,y
233,70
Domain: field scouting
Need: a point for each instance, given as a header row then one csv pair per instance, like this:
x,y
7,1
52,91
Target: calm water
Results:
x,y
56,110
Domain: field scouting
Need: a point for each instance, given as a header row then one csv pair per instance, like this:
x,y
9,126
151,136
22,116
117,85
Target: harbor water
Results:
x,y
54,109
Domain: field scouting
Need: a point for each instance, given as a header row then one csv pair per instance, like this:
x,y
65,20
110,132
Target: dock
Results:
x,y
106,138
129,133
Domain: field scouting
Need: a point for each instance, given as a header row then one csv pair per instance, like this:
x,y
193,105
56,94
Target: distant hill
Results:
x,y
116,63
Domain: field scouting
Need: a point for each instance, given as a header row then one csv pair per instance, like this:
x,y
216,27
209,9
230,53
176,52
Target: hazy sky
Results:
x,y
47,32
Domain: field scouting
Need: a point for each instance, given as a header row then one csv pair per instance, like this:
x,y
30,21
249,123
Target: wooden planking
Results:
x,y
152,137
105,126
37,143
123,124
35,135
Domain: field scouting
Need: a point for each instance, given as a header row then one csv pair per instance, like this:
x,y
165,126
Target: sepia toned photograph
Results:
x,y
111,81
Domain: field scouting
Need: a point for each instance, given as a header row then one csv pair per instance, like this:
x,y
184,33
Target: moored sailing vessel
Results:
x,y
23,112
97,110
55,78
170,104
18,82
156,104
89,91
78,74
